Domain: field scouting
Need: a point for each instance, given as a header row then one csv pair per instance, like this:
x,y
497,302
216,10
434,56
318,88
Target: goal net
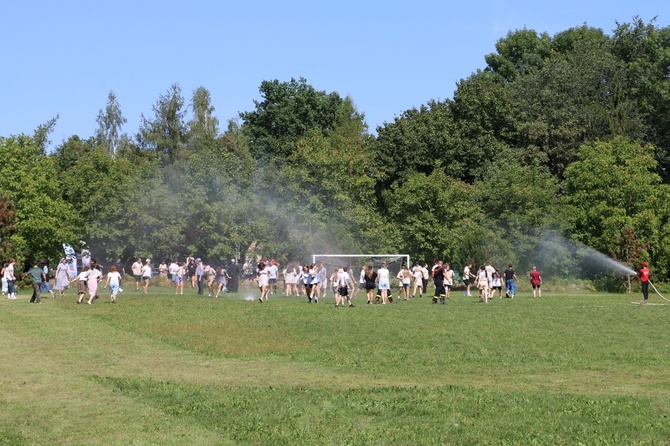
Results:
x,y
355,262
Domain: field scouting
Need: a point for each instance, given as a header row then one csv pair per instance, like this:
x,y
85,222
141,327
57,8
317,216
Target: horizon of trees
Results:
x,y
567,135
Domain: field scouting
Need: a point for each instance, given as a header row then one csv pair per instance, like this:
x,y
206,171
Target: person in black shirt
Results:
x,y
438,279
510,282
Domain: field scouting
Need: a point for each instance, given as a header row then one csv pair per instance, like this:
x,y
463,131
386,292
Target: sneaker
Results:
x,y
316,300
261,299
351,305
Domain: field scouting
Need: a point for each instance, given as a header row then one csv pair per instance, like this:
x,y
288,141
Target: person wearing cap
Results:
x,y
199,274
644,275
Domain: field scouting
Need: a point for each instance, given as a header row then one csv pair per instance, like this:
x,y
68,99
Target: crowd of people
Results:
x,y
312,281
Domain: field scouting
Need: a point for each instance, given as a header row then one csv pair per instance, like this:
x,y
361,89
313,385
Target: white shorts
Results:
x,y
384,284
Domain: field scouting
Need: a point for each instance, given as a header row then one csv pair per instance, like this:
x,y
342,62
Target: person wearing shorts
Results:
x,y
136,268
384,277
536,281
467,275
343,282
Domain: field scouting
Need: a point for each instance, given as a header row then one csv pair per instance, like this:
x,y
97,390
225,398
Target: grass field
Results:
x,y
580,368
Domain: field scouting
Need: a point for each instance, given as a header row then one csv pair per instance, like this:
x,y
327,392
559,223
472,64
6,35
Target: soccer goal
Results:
x,y
394,262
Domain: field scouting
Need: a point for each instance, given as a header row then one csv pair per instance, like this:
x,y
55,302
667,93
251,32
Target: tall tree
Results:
x,y
204,123
165,134
110,122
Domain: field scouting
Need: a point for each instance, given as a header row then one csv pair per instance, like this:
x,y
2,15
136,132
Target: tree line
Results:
x,y
566,135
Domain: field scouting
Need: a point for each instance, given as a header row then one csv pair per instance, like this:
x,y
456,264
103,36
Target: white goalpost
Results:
x,y
394,262
362,256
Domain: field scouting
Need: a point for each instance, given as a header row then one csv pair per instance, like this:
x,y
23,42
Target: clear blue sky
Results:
x,y
389,56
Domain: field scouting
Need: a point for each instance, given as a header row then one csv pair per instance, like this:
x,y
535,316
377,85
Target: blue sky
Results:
x,y
64,57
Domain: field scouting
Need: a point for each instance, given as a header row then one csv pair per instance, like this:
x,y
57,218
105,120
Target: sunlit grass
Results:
x,y
167,369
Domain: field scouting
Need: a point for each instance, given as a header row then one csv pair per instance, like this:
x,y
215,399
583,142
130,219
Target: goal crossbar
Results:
x,y
406,256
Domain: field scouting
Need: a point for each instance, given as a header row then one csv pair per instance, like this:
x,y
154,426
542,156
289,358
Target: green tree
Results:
x,y
520,53
43,220
165,134
110,122
288,111
616,203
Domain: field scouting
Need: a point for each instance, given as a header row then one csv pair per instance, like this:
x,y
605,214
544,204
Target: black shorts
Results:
x,y
536,287
137,277
466,282
343,291
272,281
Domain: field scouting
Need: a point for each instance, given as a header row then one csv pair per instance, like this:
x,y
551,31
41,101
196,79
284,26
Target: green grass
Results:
x,y
569,368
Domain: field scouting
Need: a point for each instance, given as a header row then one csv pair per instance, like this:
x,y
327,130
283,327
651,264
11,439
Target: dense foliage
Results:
x,y
567,135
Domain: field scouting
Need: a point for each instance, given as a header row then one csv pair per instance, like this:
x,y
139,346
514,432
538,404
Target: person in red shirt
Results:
x,y
643,275
536,281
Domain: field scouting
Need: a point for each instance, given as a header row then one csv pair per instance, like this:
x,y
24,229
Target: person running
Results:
x,y
136,268
536,281
644,274
81,280
467,275
263,279
92,280
483,285
384,277
210,277
418,280
146,275
510,282
314,282
370,283
113,282
438,280
62,279
178,277
223,281
489,277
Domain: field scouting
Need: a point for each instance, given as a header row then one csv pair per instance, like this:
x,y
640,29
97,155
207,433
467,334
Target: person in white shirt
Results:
x,y
273,272
448,279
178,278
417,274
136,268
383,276
113,282
172,270
10,278
467,275
146,275
489,277
343,287
263,279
